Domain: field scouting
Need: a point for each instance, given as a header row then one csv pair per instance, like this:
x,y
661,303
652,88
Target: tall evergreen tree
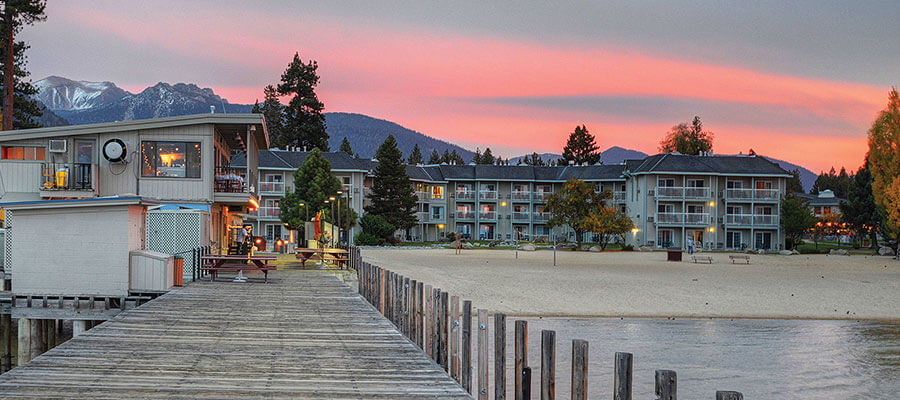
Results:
x,y
446,158
415,156
456,159
19,107
476,159
534,159
304,123
345,147
487,158
273,112
313,184
794,184
687,139
392,195
833,181
581,147
860,211
435,157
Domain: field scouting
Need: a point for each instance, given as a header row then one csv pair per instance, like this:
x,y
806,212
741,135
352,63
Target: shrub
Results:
x,y
628,247
367,239
378,227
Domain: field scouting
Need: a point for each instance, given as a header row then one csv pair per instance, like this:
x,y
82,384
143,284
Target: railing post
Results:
x,y
436,325
548,365
666,384
420,330
482,337
454,337
521,357
443,326
622,377
428,321
465,364
728,395
499,356
405,315
411,317
579,369
526,383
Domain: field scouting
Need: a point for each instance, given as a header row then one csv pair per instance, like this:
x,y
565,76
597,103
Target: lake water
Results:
x,y
763,359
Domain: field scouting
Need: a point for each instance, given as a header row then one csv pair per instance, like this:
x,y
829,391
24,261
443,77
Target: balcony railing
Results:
x,y
426,216
751,194
272,212
271,187
422,196
520,196
487,195
521,216
465,195
541,196
682,218
67,176
618,196
487,215
683,192
230,180
542,217
465,215
748,219
768,220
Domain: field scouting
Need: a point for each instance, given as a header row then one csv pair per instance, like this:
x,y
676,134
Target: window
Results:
x,y
694,209
732,210
665,182
273,232
346,180
763,184
24,153
437,213
699,183
275,178
665,238
818,210
826,210
734,185
437,192
665,208
733,240
170,159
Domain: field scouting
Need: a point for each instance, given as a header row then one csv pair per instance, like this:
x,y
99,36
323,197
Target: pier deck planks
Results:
x,y
303,335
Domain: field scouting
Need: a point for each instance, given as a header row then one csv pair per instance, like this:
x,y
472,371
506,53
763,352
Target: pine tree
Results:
x,y
19,106
456,159
392,195
487,158
884,164
794,185
476,159
273,112
313,184
534,159
435,157
581,147
304,123
345,147
415,156
446,158
860,211
687,139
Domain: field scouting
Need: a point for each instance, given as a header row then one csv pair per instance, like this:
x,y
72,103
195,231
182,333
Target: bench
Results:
x,y
238,267
706,259
742,257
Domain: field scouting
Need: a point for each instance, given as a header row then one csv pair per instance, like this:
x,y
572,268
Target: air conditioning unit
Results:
x,y
58,145
651,193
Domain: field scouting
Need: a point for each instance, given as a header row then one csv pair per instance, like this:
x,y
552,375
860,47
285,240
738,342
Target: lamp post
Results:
x,y
340,193
303,204
332,216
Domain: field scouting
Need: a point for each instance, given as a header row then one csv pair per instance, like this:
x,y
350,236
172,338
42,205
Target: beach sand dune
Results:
x,y
635,284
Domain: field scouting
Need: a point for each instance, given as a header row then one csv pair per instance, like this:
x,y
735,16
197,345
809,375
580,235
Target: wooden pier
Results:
x,y
302,335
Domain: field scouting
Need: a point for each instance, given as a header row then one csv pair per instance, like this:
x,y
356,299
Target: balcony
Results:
x,y
542,217
268,212
230,186
765,220
541,196
470,215
670,192
425,216
682,219
271,187
751,220
520,196
752,194
422,196
521,216
465,195
619,197
487,215
68,180
487,195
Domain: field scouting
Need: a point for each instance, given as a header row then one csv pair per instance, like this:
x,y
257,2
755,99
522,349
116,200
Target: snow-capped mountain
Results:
x,y
61,94
82,102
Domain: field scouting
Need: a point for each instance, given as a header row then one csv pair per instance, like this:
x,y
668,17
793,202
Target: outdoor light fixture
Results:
x,y
254,203
440,226
331,198
712,229
712,204
502,204
340,192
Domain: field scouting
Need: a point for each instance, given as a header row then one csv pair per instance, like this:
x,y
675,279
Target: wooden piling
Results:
x,y
435,325
526,383
37,338
24,349
428,321
443,326
579,369
548,365
728,395
6,342
465,356
499,356
521,357
482,339
666,384
454,337
420,327
622,376
413,308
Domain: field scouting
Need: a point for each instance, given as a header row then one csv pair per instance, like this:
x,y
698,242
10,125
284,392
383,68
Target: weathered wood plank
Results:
x,y
521,357
483,346
548,365
579,369
499,356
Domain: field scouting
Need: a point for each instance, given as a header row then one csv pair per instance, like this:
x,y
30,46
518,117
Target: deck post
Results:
x,y
420,295
499,356
429,321
666,384
454,337
728,395
622,377
78,327
521,357
6,332
548,365
413,307
24,350
579,369
443,326
37,338
465,362
436,325
483,346
405,315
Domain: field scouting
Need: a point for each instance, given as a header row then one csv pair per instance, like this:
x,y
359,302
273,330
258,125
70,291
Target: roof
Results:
x,y
237,121
73,203
283,159
716,165
816,200
443,173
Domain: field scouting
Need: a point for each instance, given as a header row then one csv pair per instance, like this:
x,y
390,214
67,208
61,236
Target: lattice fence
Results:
x,y
7,243
177,232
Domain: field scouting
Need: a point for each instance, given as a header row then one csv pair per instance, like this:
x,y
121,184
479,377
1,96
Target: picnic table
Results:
x,y
215,263
338,256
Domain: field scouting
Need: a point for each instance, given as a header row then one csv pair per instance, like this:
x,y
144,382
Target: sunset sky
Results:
x,y
800,82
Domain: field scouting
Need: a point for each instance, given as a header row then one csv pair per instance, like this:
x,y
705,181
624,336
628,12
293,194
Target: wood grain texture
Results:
x,y
303,335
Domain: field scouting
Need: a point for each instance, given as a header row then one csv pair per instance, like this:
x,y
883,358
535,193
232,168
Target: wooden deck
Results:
x,y
303,335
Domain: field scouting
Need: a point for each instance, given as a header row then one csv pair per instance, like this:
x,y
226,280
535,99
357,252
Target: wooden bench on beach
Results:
x,y
742,257
706,259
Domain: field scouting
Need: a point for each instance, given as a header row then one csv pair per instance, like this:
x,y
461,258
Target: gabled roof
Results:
x,y
718,165
281,159
443,173
815,200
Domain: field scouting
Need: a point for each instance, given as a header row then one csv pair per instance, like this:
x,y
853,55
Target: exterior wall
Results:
x,y
75,250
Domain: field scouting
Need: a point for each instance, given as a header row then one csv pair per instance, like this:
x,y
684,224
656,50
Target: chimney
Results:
x,y
212,109
571,162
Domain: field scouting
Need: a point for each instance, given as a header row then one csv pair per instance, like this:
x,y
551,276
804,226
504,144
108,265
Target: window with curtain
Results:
x,y
170,159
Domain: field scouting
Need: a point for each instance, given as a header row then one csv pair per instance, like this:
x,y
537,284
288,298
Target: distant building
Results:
x,y
824,204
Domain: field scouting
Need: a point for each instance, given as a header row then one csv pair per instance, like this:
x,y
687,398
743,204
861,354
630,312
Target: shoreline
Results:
x,y
693,317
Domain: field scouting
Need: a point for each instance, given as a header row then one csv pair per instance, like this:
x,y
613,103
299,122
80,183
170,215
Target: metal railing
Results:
x,y
465,195
487,195
271,187
521,216
683,192
768,220
487,215
541,196
67,176
269,212
751,219
682,218
465,215
520,195
751,194
230,180
542,217
618,196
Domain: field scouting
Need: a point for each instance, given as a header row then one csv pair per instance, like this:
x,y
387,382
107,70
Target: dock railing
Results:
x,y
433,320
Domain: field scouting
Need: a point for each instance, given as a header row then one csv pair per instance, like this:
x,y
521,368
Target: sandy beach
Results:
x,y
635,284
